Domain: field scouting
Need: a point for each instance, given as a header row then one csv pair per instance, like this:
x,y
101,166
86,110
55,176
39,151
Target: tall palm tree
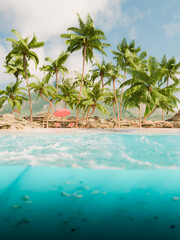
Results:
x,y
44,91
171,70
113,76
14,95
124,57
22,48
101,71
87,38
54,68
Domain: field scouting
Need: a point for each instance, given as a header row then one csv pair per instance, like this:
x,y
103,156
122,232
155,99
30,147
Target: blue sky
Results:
x,y
154,24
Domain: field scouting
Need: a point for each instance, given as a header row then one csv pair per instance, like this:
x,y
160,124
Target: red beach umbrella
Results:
x,y
62,113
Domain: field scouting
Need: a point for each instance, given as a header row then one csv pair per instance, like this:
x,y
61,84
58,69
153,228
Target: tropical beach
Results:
x,y
89,120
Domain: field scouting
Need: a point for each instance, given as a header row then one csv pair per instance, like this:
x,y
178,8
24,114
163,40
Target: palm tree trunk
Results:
x,y
82,113
116,102
114,110
57,81
144,121
51,111
122,94
139,115
65,105
93,109
166,86
162,115
25,70
84,59
55,93
102,77
88,115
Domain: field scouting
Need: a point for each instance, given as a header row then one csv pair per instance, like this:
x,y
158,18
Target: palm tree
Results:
x,y
15,67
44,91
124,57
87,80
56,66
87,38
171,70
22,48
54,69
114,75
144,89
111,101
14,95
92,100
101,71
68,93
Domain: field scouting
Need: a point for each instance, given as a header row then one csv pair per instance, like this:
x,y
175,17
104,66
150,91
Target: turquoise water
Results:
x,y
89,185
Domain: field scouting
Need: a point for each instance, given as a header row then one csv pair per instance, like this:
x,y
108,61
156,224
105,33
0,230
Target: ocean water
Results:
x,y
89,185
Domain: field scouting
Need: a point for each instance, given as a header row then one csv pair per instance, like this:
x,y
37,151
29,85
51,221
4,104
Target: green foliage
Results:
x,y
42,88
86,36
144,89
68,93
23,48
57,65
14,95
93,98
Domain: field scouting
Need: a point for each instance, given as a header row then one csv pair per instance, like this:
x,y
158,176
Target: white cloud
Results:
x,y
47,19
115,15
133,33
50,17
171,29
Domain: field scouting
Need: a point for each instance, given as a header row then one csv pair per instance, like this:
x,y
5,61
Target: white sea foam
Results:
x,y
132,160
144,140
156,143
94,165
173,167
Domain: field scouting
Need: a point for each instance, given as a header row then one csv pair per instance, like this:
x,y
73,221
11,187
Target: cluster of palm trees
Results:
x,y
146,81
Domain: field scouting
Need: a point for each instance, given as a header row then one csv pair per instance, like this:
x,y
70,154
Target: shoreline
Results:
x,y
100,130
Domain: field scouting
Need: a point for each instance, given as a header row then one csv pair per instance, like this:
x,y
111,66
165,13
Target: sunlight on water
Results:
x,y
91,150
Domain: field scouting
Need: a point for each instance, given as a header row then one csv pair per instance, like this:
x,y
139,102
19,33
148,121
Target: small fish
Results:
x,y
175,198
25,198
20,222
29,202
95,192
64,194
25,220
16,206
68,182
74,229
64,221
79,196
86,187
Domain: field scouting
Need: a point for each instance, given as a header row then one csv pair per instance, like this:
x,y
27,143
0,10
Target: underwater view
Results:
x,y
89,185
